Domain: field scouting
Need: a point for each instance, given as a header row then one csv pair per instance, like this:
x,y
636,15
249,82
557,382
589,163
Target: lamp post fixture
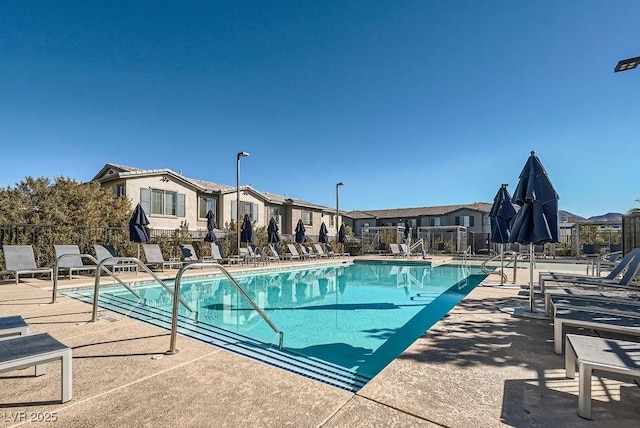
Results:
x,y
337,210
627,64
238,156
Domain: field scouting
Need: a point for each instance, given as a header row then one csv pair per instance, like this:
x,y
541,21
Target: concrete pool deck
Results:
x,y
476,367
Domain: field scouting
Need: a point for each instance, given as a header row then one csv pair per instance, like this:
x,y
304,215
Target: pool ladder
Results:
x,y
174,320
513,258
177,300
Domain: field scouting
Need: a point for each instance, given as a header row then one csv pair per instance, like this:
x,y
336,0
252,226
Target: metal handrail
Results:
x,y
483,266
465,256
94,315
176,292
54,297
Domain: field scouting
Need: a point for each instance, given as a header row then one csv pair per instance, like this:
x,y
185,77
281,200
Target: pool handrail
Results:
x,y
176,292
514,254
94,315
54,297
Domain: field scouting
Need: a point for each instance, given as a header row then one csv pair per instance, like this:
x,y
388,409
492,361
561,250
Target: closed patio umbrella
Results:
x,y
500,216
342,235
138,227
211,226
300,232
323,236
246,233
272,231
537,220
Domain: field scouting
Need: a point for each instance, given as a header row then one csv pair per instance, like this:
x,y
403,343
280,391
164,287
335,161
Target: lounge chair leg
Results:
x,y
40,369
67,377
584,391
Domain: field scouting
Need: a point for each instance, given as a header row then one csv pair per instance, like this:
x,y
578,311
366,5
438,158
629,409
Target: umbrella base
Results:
x,y
524,312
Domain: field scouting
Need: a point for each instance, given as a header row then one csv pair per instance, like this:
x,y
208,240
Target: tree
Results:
x,y
41,213
65,202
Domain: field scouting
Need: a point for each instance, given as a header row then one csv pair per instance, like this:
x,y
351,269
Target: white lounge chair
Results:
x,y
321,252
13,326
607,356
154,258
307,253
189,254
293,253
20,260
71,260
594,283
616,323
104,252
395,250
249,254
217,257
31,350
596,304
592,293
628,265
275,255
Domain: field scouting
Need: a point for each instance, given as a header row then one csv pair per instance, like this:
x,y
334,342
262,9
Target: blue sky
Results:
x,y
409,103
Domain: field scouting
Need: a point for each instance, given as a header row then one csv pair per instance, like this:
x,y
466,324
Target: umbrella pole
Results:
x,y
531,264
501,264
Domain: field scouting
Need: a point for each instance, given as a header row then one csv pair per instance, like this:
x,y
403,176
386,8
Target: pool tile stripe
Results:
x,y
267,353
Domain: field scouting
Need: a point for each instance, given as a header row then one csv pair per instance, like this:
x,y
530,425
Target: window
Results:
x,y
245,208
435,221
162,202
486,220
307,218
206,204
120,191
332,220
465,220
274,212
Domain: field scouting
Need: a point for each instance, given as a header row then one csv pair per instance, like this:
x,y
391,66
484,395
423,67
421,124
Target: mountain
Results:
x,y
609,217
566,216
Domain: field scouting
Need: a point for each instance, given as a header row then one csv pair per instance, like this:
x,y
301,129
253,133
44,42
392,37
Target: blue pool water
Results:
x,y
354,316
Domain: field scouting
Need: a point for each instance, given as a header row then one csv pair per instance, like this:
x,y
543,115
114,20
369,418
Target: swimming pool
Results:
x,y
352,317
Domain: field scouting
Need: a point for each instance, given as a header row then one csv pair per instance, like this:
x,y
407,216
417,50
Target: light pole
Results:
x,y
337,211
238,156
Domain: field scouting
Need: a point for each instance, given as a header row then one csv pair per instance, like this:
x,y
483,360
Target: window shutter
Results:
x,y
234,210
255,210
180,205
145,200
457,221
471,220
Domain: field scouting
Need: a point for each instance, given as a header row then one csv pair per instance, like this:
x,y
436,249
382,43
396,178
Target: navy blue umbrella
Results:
x,y
342,235
537,220
138,226
211,225
407,228
246,232
300,232
323,236
501,214
272,231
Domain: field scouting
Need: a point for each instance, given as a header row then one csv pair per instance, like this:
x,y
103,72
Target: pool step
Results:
x,y
319,370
